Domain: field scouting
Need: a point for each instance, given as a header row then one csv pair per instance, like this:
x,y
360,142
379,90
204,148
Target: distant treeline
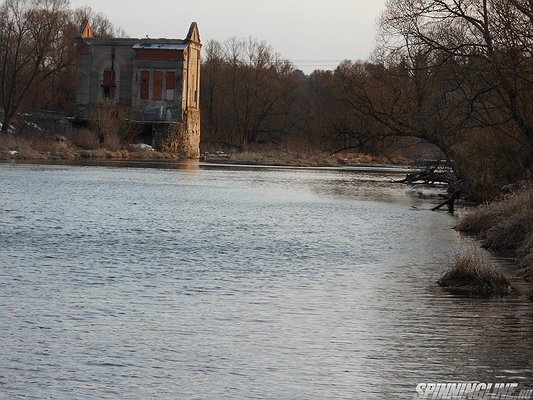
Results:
x,y
252,97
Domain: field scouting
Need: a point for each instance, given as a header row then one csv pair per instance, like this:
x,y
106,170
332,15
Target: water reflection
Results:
x,y
187,165
236,283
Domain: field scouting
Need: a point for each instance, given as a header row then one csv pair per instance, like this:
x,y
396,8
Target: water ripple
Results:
x,y
217,283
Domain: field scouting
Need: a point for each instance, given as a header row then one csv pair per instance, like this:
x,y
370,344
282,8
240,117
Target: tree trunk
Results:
x,y
450,202
5,125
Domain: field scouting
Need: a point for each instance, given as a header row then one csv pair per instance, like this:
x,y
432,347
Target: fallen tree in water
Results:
x,y
504,225
438,173
449,202
431,173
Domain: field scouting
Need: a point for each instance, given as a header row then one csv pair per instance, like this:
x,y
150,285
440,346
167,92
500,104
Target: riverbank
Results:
x,y
46,148
505,226
287,158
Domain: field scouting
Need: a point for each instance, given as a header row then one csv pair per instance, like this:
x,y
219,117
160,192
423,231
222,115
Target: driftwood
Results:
x,y
438,173
431,174
450,201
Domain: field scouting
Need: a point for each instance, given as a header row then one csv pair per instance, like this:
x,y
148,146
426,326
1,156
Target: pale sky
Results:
x,y
312,34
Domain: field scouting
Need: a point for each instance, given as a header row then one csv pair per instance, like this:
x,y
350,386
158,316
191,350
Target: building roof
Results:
x,y
193,36
162,45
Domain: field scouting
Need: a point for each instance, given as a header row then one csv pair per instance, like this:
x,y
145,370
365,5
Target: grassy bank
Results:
x,y
284,157
85,146
41,147
504,226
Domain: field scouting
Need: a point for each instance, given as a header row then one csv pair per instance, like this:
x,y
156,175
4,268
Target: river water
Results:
x,y
210,282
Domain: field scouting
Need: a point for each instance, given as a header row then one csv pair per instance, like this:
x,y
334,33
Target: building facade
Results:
x,y
158,79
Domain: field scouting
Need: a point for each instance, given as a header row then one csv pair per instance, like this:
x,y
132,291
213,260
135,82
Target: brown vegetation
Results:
x,y
42,147
85,144
457,74
474,275
35,44
116,126
297,158
505,225
85,139
467,95
33,146
252,98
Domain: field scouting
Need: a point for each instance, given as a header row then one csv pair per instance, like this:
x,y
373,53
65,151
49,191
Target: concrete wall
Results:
x,y
95,56
191,78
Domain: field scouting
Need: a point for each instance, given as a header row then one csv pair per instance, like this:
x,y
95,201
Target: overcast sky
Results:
x,y
312,34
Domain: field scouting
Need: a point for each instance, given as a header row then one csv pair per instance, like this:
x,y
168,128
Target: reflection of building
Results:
x,y
158,79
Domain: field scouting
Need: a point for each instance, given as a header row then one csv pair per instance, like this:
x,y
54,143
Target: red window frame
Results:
x,y
158,85
171,80
145,85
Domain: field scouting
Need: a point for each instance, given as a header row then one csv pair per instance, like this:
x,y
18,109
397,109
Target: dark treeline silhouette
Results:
x,y
460,75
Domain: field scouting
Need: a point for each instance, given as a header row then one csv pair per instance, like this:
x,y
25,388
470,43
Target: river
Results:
x,y
193,281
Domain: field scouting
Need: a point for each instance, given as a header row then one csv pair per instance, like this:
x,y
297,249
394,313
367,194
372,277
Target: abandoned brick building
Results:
x,y
158,79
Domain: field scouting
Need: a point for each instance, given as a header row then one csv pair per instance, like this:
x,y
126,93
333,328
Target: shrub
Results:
x,y
114,125
31,146
85,139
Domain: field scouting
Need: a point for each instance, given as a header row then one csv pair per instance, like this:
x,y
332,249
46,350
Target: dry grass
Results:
x,y
525,255
85,144
85,139
505,225
298,158
35,147
114,125
516,206
474,275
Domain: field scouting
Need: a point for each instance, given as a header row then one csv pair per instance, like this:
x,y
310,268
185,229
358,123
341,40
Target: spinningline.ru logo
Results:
x,y
472,390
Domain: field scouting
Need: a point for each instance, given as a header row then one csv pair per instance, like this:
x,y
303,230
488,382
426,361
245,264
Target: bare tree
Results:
x,y
456,73
249,91
213,95
100,24
33,38
491,39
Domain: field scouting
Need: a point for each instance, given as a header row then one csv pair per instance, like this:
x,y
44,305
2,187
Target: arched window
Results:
x,y
109,84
